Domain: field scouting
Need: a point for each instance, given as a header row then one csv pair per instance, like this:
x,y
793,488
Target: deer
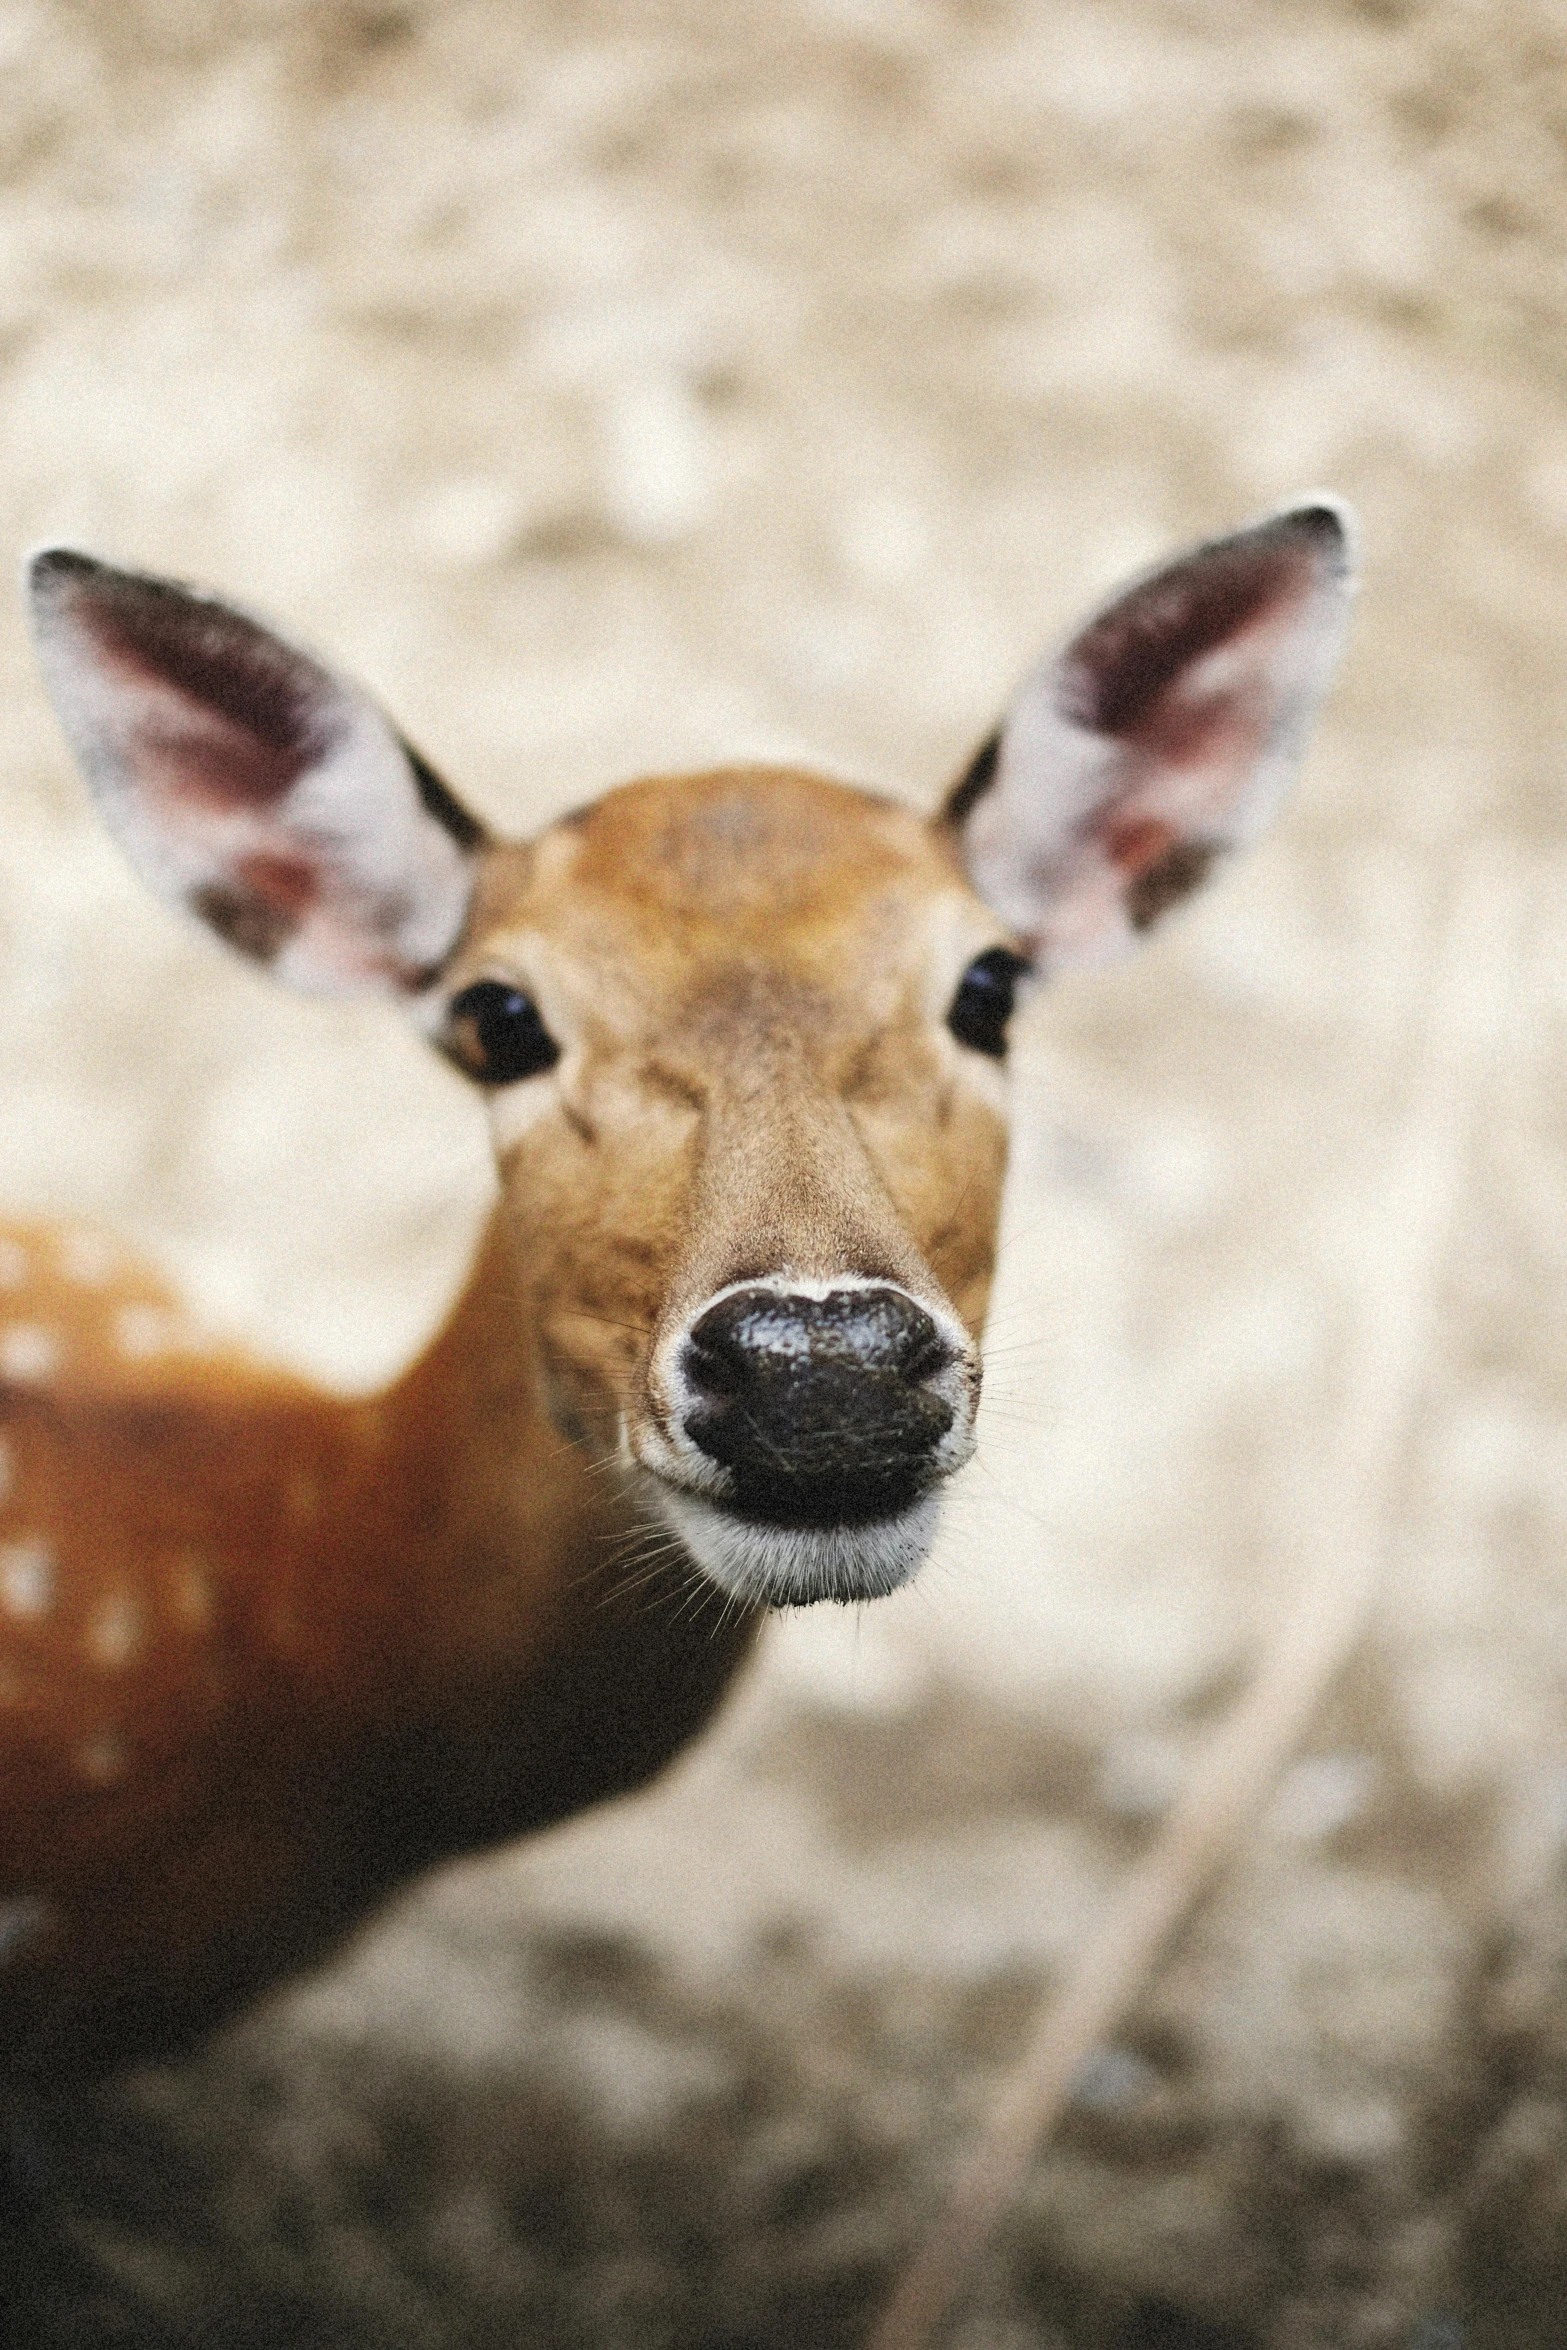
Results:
x,y
268,1652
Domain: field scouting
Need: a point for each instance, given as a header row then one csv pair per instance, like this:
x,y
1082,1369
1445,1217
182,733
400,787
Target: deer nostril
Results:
x,y
715,1361
926,1355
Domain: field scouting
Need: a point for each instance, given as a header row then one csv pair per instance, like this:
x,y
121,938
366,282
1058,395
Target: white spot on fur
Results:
x,y
102,1760
145,1330
13,1264
115,1631
28,1351
27,1578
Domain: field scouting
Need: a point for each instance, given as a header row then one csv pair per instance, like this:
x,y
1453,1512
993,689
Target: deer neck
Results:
x,y
498,1517
501,1605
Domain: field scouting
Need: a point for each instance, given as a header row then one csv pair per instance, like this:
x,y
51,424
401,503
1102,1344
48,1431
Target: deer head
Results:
x,y
742,1034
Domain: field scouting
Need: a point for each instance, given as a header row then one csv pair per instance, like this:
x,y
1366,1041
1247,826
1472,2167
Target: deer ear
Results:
x,y
1165,732
249,784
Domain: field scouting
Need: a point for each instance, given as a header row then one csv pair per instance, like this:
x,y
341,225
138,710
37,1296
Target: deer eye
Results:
x,y
983,1004
494,1033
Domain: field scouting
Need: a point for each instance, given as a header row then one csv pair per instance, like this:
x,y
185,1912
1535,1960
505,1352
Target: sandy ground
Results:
x,y
626,387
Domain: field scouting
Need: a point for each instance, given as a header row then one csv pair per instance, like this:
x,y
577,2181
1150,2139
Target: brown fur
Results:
x,y
364,1636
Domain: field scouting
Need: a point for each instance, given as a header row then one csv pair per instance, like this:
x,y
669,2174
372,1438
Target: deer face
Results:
x,y
753,1188
742,1034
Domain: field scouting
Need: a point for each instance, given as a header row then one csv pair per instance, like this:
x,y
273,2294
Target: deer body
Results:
x,y
265,1652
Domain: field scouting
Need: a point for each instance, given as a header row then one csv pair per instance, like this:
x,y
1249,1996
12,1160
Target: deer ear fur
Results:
x,y
1162,734
250,785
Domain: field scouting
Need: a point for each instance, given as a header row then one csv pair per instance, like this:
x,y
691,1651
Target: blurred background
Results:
x,y
624,388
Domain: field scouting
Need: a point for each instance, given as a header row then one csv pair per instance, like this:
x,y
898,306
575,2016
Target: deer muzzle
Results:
x,y
805,1430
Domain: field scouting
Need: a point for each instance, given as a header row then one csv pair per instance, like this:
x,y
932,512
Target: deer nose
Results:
x,y
822,1409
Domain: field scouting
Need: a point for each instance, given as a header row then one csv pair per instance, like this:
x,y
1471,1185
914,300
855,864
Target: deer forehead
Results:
x,y
780,840
750,899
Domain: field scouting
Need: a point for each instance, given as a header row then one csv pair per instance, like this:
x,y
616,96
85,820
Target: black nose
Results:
x,y
819,1407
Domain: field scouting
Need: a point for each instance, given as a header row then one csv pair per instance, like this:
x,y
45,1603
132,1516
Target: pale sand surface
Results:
x,y
619,388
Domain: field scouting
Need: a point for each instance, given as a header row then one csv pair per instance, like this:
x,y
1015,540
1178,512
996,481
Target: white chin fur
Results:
x,y
793,1566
